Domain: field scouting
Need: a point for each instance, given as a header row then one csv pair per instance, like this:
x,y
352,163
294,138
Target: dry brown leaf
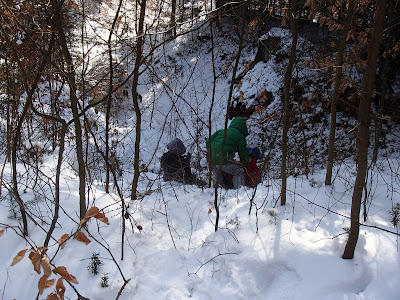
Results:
x,y
45,284
83,221
72,4
42,284
45,263
62,240
19,257
101,217
91,212
49,283
1,232
52,296
81,237
60,288
62,271
41,249
35,259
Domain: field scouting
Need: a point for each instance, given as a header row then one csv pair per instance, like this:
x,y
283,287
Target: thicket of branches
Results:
x,y
69,67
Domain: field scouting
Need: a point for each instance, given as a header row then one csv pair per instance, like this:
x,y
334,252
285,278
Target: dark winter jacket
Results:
x,y
174,164
235,142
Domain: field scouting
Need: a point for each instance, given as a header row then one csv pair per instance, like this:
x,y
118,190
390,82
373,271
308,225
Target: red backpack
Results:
x,y
252,173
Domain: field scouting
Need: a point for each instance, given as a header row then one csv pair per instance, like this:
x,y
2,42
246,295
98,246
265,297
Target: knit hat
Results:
x,y
176,147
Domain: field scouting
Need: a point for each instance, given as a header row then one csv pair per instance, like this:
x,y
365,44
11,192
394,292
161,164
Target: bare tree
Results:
x,y
364,118
173,18
135,97
235,67
70,76
336,90
378,118
210,164
286,96
29,83
109,101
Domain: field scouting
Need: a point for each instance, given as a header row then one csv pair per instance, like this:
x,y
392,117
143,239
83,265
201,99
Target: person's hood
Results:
x,y
240,124
176,147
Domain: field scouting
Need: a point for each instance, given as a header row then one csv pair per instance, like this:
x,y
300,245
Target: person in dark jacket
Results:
x,y
175,165
235,143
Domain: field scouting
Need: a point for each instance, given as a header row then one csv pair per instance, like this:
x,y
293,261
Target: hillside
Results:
x,y
164,246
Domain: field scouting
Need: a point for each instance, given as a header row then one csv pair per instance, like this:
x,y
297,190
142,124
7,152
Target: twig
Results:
x,y
347,217
122,288
211,259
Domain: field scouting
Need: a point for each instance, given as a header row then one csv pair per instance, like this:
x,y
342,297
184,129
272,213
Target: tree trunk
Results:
x,y
8,120
336,89
210,164
286,98
378,119
135,97
57,185
173,18
228,105
70,73
109,100
364,112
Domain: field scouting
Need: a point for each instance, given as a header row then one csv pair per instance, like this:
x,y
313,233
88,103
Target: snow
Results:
x,y
177,255
268,252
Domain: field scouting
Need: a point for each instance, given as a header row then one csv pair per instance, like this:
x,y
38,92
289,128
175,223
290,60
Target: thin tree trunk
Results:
x,y
135,97
8,120
17,135
378,119
57,184
109,101
173,18
364,112
210,164
336,89
242,31
286,98
70,73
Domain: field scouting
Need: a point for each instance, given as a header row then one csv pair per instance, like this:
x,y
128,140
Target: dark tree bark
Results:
x,y
9,112
57,184
378,119
173,18
210,165
286,97
109,100
364,116
135,96
336,89
70,75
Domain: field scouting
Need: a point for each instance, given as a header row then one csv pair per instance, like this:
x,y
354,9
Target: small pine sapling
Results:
x,y
94,264
274,216
104,281
395,215
235,222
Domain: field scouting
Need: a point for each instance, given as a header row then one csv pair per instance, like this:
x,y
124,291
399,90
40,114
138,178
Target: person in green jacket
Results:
x,y
235,143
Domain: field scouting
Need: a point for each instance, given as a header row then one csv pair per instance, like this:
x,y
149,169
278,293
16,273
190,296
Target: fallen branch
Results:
x,y
347,217
211,259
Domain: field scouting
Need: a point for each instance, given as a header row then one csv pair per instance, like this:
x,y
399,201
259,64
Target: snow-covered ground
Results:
x,y
273,252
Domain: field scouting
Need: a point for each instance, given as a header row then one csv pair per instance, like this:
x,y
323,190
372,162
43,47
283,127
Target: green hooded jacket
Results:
x,y
235,142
